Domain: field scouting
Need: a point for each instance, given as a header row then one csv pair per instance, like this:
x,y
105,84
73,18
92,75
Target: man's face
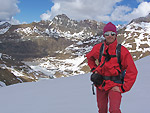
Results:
x,y
110,37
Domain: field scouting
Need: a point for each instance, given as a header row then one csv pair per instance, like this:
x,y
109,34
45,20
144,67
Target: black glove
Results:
x,y
97,79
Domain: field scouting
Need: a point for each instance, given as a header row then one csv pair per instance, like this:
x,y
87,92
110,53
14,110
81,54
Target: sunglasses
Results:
x,y
109,33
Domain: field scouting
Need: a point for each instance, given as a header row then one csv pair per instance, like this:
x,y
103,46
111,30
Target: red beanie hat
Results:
x,y
110,27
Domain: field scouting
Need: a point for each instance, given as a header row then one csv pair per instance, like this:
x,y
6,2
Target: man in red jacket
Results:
x,y
109,68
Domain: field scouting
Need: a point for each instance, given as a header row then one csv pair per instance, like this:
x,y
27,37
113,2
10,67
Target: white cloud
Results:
x,y
119,13
124,13
142,10
100,10
8,8
13,21
81,9
46,16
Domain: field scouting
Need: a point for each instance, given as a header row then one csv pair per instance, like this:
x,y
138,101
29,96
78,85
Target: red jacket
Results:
x,y
111,67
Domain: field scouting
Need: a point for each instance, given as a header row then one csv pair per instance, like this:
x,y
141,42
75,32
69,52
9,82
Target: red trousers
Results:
x,y
114,99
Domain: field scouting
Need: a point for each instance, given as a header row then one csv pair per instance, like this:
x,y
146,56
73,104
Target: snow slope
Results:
x,y
72,95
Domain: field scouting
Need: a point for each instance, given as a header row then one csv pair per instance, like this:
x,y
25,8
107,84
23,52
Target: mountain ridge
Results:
x,y
58,47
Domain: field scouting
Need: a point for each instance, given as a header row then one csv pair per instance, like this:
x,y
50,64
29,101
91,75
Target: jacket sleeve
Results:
x,y
91,57
131,70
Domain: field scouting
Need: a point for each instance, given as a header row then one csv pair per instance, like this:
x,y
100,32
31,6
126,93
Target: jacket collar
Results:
x,y
112,45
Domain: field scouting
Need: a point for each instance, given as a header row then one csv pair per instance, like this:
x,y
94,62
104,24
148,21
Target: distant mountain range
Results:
x,y
57,48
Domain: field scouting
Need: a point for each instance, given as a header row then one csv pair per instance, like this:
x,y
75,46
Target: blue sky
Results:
x,y
117,11
30,10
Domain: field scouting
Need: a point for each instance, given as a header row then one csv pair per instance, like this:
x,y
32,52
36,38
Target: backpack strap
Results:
x,y
118,53
101,52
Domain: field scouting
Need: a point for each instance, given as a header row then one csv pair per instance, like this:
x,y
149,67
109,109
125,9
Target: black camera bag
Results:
x,y
97,79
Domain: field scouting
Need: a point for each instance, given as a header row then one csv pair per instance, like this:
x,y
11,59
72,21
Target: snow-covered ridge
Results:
x,y
142,27
4,30
4,27
137,39
54,32
60,26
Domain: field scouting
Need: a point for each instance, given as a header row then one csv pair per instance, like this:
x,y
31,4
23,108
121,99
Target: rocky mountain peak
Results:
x,y
63,16
59,19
